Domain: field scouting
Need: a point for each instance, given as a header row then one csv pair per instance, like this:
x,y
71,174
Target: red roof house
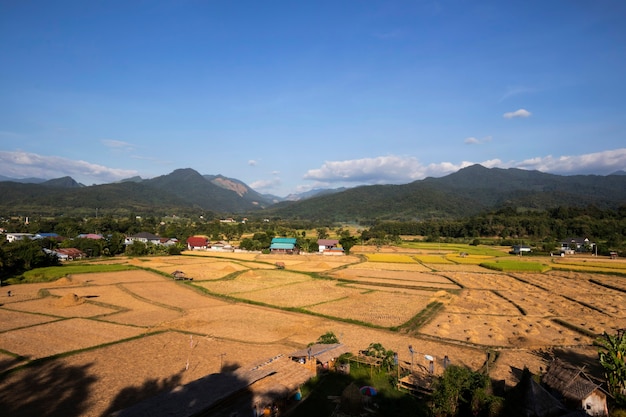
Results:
x,y
197,243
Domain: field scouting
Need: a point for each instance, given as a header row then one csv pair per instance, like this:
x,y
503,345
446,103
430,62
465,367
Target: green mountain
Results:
x,y
197,190
183,192
469,191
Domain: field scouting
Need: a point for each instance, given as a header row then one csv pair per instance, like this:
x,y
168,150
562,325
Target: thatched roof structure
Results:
x,y
532,400
569,381
321,352
351,400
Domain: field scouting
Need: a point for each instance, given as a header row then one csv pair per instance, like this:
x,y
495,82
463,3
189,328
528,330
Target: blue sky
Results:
x,y
292,95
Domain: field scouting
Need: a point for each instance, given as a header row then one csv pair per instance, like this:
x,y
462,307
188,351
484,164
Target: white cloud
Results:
x,y
604,162
116,144
380,170
265,185
252,162
475,141
523,113
24,164
402,170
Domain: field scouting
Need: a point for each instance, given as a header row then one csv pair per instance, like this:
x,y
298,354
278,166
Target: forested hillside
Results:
x,y
185,192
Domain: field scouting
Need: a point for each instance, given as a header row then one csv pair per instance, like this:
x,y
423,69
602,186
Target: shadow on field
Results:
x,y
221,394
131,395
46,389
50,388
591,364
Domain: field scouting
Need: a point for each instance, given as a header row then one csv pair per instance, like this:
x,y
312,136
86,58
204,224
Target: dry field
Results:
x,y
112,339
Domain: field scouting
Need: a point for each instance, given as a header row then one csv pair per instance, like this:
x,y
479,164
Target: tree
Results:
x,y
322,233
377,350
461,391
347,243
327,338
137,248
612,355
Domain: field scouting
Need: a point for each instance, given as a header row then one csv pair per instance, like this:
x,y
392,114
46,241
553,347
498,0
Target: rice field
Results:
x,y
379,308
390,258
432,259
239,308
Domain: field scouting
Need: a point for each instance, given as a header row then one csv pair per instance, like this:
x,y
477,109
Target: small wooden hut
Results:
x,y
576,389
320,354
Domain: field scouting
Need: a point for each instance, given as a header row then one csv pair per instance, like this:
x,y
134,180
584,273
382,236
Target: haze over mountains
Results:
x,y
185,191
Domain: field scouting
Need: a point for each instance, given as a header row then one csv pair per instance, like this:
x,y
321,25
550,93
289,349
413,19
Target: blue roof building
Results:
x,y
284,245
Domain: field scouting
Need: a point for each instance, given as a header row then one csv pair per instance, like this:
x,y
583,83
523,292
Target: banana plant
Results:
x,y
612,355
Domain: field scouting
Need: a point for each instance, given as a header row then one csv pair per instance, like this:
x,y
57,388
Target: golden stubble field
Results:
x,y
127,335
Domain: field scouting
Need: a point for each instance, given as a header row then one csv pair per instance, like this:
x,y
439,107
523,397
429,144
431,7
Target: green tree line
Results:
x,y
606,227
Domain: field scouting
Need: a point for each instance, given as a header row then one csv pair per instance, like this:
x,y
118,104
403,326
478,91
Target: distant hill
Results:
x,y
23,180
469,191
132,179
241,189
64,182
188,185
317,192
182,191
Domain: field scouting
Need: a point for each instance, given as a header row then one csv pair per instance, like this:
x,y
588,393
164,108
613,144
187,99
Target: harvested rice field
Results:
x,y
112,339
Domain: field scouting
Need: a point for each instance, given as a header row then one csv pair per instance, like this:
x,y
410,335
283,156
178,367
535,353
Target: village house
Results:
x,y
329,247
66,254
574,245
168,241
284,245
93,236
197,243
13,237
221,246
520,249
42,235
143,237
575,388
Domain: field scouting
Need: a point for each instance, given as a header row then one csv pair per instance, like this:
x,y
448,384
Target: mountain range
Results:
x,y
183,192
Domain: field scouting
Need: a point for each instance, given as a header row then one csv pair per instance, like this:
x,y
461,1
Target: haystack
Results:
x,y
229,268
351,400
250,274
66,280
69,300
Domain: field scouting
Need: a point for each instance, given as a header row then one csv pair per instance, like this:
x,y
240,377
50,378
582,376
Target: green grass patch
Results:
x,y
53,273
512,265
422,317
456,247
318,393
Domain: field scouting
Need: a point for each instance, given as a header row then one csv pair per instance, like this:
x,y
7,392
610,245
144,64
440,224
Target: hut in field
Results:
x,y
320,355
576,389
